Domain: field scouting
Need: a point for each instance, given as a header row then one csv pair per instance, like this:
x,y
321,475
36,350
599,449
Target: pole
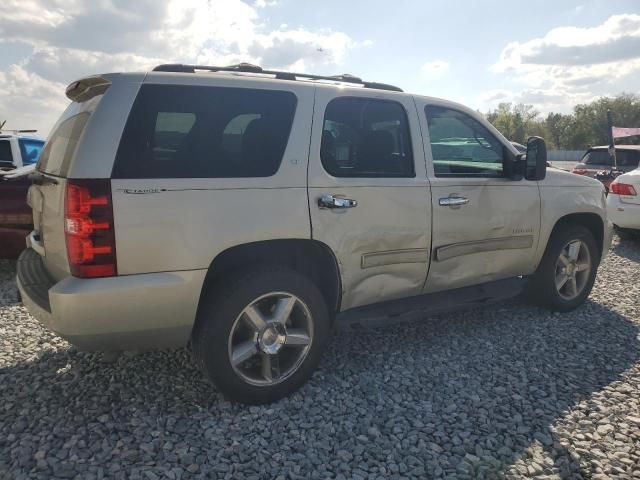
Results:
x,y
612,143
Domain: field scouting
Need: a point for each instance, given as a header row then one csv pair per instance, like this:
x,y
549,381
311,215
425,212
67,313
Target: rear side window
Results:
x,y
62,142
30,150
363,137
177,131
6,158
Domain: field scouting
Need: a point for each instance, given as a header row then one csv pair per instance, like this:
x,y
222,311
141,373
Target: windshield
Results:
x,y
30,150
65,136
624,158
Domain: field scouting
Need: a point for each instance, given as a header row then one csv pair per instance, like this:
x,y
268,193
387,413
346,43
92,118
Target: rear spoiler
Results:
x,y
83,90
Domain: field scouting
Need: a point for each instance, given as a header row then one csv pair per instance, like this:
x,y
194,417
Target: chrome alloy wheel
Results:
x,y
270,338
572,269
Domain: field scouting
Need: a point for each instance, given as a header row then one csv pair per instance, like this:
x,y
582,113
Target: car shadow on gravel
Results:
x,y
628,248
460,393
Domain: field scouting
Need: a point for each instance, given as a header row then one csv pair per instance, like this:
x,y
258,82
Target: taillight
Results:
x,y
89,229
622,189
579,171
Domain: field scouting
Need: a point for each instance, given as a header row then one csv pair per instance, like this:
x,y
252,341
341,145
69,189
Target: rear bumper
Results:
x,y
624,215
131,312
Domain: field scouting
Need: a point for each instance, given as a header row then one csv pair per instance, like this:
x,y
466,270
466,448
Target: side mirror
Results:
x,y
536,159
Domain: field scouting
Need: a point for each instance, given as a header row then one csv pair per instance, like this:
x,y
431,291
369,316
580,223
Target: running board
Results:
x,y
421,306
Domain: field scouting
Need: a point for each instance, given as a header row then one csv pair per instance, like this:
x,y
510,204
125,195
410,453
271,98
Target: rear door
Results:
x,y
485,226
368,192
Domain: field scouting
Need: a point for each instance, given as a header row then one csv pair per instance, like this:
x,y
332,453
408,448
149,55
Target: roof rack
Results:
x,y
280,75
15,132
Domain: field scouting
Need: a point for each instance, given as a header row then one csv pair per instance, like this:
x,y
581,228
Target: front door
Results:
x,y
485,226
368,192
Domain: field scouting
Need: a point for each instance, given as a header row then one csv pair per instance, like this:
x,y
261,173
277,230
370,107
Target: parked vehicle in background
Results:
x,y
241,210
17,150
523,149
596,159
623,204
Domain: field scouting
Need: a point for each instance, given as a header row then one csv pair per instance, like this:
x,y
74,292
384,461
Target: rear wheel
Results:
x,y
567,272
260,337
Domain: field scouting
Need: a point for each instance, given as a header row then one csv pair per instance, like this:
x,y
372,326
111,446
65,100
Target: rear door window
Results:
x,y
179,131
367,138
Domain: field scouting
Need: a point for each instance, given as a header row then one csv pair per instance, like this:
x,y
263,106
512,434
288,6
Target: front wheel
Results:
x,y
567,271
259,337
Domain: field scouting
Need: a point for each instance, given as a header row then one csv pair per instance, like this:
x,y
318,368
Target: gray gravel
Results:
x,y
507,391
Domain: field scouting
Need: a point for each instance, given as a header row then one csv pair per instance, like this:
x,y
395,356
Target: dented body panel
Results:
x,y
382,245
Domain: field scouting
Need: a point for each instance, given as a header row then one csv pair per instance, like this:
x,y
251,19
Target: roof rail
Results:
x,y
280,75
14,131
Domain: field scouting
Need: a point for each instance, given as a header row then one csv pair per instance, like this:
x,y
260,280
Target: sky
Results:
x,y
552,54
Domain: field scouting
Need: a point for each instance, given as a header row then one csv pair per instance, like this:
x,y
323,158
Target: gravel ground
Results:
x,y
506,391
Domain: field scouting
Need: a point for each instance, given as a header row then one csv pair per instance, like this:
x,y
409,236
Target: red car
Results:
x,y
16,151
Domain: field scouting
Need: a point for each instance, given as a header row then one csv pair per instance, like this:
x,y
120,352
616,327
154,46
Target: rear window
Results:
x,y
30,150
6,158
624,158
177,131
63,140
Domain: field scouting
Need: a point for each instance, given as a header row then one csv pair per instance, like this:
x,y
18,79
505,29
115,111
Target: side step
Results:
x,y
420,306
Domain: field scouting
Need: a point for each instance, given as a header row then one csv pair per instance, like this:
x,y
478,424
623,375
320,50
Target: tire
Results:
x,y
238,318
543,289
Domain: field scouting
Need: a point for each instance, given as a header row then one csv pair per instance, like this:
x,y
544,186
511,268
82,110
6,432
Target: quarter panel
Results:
x,y
183,225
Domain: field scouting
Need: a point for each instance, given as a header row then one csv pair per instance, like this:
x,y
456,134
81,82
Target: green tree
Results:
x,y
517,122
586,126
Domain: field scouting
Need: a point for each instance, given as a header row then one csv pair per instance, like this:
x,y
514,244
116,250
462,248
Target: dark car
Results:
x,y
16,220
596,159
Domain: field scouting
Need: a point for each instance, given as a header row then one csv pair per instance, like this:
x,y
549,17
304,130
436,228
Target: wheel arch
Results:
x,y
312,258
591,221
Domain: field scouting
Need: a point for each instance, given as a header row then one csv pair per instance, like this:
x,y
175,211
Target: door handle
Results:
x,y
453,201
328,201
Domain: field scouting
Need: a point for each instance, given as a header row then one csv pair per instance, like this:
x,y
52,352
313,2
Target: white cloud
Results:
x,y
28,101
73,38
436,67
570,64
575,55
265,3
